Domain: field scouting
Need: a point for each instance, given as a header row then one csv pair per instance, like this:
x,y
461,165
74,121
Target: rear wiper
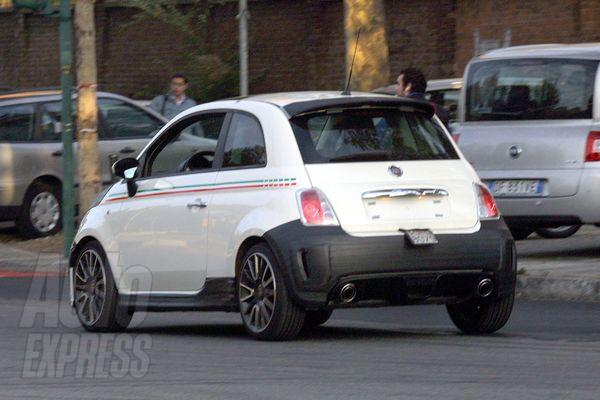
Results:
x,y
369,156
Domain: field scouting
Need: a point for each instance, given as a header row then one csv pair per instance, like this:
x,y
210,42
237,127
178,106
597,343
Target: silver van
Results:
x,y
31,152
529,122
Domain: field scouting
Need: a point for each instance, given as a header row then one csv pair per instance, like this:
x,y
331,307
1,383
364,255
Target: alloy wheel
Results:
x,y
90,287
257,292
44,212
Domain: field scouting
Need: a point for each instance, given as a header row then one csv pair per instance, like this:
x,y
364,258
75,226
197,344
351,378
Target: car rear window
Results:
x,y
530,89
374,134
17,123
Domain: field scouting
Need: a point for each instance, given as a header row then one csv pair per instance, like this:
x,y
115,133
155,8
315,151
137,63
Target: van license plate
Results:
x,y
514,187
420,237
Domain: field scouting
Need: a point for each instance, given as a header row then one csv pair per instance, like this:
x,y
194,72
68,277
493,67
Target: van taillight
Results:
x,y
592,147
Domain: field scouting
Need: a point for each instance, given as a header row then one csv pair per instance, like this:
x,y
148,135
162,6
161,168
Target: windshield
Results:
x,y
530,89
374,134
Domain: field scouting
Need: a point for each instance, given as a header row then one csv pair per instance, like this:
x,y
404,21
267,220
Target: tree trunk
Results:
x,y
371,69
90,182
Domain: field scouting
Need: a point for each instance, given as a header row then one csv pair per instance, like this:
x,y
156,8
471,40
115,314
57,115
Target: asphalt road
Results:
x,y
549,350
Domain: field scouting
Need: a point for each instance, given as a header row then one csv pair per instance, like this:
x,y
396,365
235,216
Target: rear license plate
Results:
x,y
514,187
420,237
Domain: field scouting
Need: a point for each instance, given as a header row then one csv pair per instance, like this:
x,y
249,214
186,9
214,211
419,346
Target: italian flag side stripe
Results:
x,y
208,187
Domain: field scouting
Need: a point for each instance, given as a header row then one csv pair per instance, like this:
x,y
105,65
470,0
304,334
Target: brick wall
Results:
x,y
294,44
421,34
524,22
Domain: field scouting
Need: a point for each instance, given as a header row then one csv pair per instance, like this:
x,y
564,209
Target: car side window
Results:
x,y
17,123
126,120
51,121
245,145
189,146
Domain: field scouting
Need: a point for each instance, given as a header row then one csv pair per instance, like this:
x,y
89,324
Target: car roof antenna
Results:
x,y
346,91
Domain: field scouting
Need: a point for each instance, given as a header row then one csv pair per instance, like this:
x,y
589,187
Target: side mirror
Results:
x,y
126,168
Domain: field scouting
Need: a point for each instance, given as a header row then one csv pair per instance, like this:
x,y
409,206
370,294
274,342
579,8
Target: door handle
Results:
x,y
197,203
57,153
127,150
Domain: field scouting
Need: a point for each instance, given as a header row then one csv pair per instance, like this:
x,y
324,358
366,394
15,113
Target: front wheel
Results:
x,y
481,316
41,211
95,293
267,311
559,232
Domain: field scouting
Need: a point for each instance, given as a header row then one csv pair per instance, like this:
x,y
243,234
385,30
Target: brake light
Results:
x,y
592,147
456,137
486,203
315,208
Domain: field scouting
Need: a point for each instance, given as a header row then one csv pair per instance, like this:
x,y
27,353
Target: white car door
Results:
x,y
244,187
162,230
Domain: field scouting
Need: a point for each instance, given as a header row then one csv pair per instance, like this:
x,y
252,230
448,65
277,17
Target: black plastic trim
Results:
x,y
316,259
218,294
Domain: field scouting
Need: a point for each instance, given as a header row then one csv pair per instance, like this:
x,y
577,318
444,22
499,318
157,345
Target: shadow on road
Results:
x,y
320,334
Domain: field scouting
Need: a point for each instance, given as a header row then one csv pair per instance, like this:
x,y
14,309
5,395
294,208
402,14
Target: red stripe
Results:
x,y
192,191
30,274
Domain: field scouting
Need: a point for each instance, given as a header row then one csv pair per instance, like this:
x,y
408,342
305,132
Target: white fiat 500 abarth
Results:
x,y
306,202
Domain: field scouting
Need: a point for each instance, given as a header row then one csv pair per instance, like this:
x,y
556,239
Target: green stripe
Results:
x,y
208,185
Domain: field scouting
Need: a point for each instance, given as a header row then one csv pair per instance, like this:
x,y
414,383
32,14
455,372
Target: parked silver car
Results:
x,y
529,122
31,152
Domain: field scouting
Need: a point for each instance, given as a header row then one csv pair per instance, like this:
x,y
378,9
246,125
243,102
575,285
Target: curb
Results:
x,y
566,289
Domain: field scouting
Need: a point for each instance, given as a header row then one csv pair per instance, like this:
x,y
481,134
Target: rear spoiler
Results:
x,y
295,109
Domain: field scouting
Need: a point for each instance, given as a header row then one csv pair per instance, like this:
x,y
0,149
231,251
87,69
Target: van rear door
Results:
x,y
526,123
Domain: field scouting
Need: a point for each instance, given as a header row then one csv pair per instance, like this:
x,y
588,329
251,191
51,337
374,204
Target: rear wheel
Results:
x,y
41,210
520,233
267,311
481,316
95,293
559,232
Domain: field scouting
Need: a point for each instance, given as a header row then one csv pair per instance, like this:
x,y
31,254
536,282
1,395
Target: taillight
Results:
x,y
592,147
315,208
456,137
486,203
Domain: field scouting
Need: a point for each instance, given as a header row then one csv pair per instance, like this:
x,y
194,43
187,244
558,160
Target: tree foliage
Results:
x,y
211,76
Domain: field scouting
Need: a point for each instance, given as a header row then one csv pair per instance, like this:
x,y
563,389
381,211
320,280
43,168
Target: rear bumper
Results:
x,y
386,270
9,213
553,211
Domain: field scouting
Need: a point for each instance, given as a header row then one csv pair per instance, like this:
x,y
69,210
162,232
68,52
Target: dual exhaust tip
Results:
x,y
348,292
485,287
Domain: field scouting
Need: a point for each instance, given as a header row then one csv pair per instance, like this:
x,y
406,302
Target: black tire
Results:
x,y
286,318
26,223
478,317
520,233
315,318
111,317
559,232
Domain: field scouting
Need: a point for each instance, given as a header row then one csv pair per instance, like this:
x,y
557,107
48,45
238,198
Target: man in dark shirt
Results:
x,y
411,83
174,102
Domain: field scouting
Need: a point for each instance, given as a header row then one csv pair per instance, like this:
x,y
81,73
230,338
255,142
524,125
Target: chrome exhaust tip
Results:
x,y
485,287
348,293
